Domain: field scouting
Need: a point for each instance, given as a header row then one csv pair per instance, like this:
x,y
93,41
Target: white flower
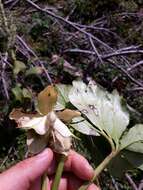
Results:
x,y
41,129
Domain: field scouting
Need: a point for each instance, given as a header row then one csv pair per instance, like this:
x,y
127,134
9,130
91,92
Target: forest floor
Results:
x,y
60,41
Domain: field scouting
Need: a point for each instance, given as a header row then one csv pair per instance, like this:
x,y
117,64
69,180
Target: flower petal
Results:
x,y
38,124
60,144
36,143
47,99
67,115
55,123
62,128
30,121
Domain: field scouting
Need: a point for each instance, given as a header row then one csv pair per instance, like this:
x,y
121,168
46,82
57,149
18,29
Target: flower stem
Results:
x,y
58,173
100,168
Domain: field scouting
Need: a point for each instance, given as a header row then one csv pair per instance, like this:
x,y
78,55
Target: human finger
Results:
x,y
71,182
79,166
24,173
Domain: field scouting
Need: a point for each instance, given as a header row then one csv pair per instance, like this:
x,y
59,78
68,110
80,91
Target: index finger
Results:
x,y
79,166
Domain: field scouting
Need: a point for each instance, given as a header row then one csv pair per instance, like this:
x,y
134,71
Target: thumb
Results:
x,y
25,172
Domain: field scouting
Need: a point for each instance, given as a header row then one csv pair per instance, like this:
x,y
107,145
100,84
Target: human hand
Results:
x,y
26,175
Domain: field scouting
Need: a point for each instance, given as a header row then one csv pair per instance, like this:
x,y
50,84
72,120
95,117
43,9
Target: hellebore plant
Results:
x,y
99,113
45,128
109,116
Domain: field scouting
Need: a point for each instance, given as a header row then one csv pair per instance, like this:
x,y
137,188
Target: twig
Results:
x,y
117,53
114,183
34,54
6,158
135,65
131,182
3,78
135,89
106,56
25,45
97,28
76,50
14,4
140,185
95,50
72,24
8,1
126,73
3,17
75,26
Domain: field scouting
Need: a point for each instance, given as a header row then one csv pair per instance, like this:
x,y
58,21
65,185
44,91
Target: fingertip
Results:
x,y
93,187
23,174
74,183
81,167
35,166
45,153
52,168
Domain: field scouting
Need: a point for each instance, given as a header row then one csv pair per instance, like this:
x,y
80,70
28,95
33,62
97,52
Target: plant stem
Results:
x,y
100,168
58,173
103,164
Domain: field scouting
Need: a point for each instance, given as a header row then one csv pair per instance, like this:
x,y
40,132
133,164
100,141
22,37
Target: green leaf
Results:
x,y
34,71
17,91
119,165
83,126
103,109
136,159
63,92
26,93
18,67
133,139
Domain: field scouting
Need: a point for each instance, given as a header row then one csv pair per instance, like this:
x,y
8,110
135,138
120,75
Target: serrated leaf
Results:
x,y
133,139
17,91
63,92
34,71
103,109
47,99
18,67
83,126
